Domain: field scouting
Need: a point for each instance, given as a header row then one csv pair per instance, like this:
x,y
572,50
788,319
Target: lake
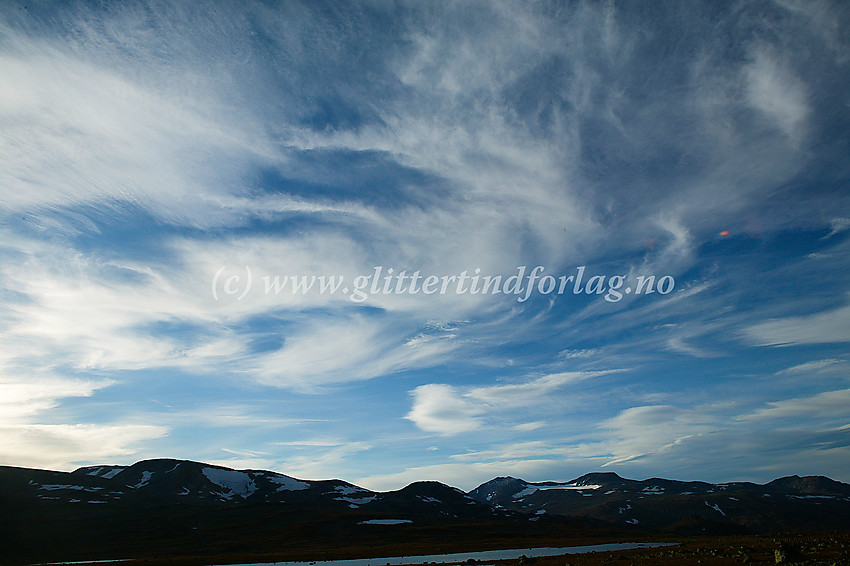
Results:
x,y
482,556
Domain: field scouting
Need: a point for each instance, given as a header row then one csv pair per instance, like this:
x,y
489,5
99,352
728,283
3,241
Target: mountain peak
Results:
x,y
810,485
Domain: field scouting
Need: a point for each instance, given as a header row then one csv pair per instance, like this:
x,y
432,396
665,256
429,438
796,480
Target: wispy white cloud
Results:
x,y
775,91
30,437
450,410
81,131
441,409
528,393
824,327
67,446
816,367
583,353
640,431
827,405
92,313
679,344
345,349
323,462
535,449
314,442
838,225
23,399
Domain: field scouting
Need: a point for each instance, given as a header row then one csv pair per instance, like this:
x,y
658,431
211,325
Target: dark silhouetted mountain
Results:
x,y
170,507
810,485
786,504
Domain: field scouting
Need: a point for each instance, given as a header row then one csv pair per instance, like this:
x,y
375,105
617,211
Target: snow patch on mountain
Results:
x,y
357,500
812,497
287,483
527,491
236,483
570,486
349,489
109,473
52,487
146,477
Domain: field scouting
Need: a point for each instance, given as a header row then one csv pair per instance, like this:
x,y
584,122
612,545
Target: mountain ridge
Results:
x,y
174,506
658,503
801,485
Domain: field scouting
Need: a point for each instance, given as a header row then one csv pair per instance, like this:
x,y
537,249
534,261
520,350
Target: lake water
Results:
x,y
482,556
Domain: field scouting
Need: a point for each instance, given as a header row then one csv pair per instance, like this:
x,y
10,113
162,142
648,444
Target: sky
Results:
x,y
168,168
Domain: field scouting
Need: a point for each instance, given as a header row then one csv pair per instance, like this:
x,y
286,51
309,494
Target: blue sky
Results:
x,y
152,152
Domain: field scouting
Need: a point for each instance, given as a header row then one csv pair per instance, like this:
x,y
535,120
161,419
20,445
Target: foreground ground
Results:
x,y
818,549
814,549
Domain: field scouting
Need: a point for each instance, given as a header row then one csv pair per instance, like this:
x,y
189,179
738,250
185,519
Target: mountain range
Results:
x,y
179,507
